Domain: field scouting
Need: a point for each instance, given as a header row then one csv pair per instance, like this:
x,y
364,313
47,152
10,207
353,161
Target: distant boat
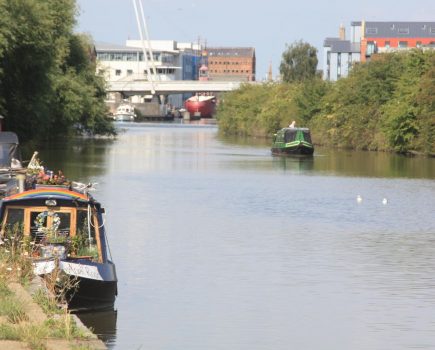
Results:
x,y
10,156
292,141
10,160
201,106
124,112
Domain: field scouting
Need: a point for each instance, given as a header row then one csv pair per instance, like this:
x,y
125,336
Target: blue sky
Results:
x,y
265,25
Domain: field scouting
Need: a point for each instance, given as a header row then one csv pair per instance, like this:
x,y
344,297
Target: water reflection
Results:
x,y
103,324
295,164
372,164
219,245
79,158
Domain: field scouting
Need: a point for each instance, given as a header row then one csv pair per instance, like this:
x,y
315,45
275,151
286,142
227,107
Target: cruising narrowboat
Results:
x,y
293,141
64,229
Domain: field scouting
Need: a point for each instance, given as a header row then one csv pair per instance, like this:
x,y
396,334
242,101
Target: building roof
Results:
x,y
105,47
338,45
399,30
231,51
99,46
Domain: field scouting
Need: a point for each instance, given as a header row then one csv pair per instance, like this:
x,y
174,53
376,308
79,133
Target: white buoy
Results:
x,y
384,201
359,199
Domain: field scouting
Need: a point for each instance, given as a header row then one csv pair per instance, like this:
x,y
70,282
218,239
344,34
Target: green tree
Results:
x,y
48,85
299,62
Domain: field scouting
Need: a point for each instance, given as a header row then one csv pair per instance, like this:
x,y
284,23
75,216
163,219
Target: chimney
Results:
x,y
342,32
269,73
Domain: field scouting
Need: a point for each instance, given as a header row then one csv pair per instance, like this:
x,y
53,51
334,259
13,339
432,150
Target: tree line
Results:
x,y
48,85
385,104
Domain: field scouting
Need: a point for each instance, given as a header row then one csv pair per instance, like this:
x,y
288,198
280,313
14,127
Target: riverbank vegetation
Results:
x,y
386,104
48,85
21,320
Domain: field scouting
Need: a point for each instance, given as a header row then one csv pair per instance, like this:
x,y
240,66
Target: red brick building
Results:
x,y
231,63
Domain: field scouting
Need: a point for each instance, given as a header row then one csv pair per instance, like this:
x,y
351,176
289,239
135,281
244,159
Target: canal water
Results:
x,y
219,245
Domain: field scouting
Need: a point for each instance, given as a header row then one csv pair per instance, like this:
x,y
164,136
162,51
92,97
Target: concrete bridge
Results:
x,y
144,87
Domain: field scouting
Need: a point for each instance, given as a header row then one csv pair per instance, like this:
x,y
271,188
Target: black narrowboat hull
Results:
x,y
97,285
93,285
92,295
294,150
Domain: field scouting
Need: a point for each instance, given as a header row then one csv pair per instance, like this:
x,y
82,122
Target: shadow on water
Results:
x,y
328,161
78,158
371,164
103,324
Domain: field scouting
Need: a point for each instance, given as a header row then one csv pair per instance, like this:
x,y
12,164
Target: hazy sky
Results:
x,y
265,25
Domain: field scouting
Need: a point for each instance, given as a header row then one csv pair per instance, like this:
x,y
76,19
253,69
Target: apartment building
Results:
x,y
368,38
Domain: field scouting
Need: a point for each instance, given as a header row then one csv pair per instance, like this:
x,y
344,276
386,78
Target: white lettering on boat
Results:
x,y
81,270
73,269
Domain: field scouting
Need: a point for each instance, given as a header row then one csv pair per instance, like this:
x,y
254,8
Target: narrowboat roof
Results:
x,y
8,137
50,193
296,129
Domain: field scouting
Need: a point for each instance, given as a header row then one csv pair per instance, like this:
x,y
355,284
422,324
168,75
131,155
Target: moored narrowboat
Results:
x,y
64,230
293,141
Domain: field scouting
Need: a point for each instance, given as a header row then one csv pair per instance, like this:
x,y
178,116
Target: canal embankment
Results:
x,y
31,318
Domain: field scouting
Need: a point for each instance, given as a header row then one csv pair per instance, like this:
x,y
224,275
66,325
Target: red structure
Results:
x,y
378,37
202,106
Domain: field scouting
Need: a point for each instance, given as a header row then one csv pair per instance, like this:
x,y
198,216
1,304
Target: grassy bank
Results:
x,y
34,320
386,104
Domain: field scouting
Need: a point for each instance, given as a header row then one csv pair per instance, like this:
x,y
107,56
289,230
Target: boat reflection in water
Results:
x,y
103,324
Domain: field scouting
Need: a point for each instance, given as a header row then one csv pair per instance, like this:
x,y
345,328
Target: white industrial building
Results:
x,y
170,61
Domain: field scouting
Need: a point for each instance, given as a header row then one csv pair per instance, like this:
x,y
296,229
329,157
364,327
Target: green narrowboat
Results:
x,y
292,141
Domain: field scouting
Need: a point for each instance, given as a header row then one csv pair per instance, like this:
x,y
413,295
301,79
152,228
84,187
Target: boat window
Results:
x,y
14,216
290,135
307,136
65,223
37,235
85,243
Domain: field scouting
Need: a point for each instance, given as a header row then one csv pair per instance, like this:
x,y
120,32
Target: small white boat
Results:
x,y
124,112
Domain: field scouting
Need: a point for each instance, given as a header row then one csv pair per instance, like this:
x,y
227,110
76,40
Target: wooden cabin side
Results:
x,y
73,217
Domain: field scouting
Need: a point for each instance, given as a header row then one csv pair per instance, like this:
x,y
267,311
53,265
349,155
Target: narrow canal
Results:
x,y
219,245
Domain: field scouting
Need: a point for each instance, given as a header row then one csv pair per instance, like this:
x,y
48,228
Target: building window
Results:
x,y
432,30
339,59
118,72
129,72
387,44
418,44
403,44
372,30
403,30
370,48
